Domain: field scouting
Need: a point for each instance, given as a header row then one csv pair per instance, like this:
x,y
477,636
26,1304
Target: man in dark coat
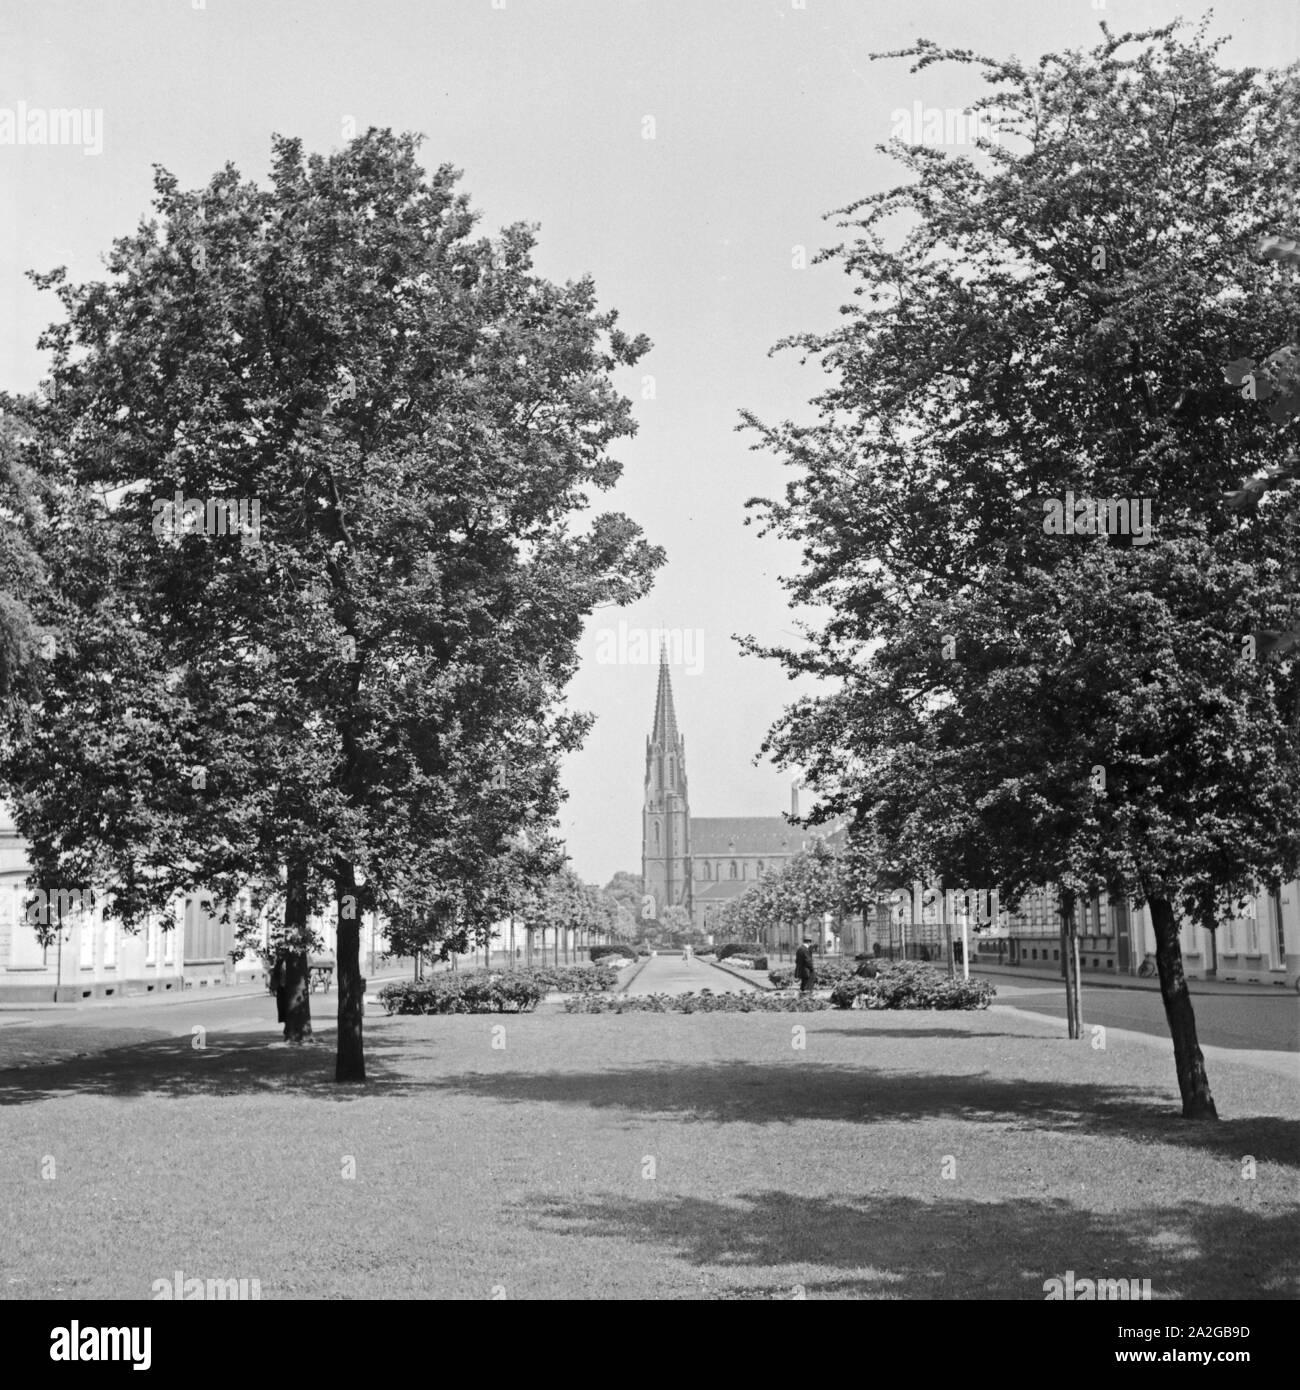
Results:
x,y
803,966
278,983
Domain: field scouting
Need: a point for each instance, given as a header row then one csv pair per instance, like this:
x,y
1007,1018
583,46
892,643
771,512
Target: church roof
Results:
x,y
721,890
720,835
664,731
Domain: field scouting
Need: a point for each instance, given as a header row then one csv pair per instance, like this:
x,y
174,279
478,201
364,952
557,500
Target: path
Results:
x,y
677,975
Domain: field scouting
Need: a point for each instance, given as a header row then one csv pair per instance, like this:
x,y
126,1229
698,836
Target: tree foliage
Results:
x,y
1003,701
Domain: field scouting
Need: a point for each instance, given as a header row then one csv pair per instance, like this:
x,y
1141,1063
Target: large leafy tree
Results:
x,y
364,679
1002,701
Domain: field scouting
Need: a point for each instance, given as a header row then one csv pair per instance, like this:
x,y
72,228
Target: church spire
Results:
x,y
664,732
666,816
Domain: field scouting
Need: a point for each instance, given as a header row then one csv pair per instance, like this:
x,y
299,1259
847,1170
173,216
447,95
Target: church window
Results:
x,y
707,872
733,869
672,774
656,826
760,868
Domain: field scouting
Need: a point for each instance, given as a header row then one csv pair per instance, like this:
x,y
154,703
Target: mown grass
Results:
x,y
654,1156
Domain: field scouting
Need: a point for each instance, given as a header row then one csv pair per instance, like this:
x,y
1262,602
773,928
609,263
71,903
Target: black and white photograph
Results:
x,y
650,653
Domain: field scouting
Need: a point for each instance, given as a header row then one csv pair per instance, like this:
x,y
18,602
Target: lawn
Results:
x,y
655,1156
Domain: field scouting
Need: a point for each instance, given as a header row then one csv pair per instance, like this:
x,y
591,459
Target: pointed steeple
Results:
x,y
666,815
664,732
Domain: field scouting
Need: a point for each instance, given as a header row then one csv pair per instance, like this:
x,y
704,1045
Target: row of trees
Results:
x,y
1072,314
558,909
351,698
815,881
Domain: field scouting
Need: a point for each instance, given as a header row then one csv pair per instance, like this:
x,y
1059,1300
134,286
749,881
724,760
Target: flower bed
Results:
x,y
703,1002
575,979
911,985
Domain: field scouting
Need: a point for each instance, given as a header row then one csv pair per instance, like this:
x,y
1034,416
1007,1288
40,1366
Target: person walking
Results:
x,y
803,967
279,986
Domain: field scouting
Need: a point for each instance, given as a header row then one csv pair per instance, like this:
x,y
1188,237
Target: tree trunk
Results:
x,y
351,1061
1193,1083
1070,965
296,1004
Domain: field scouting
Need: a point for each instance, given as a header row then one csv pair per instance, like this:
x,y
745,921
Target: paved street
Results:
x,y
1241,1021
676,975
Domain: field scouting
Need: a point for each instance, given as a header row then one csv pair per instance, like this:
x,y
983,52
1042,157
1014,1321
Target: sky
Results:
x,y
685,153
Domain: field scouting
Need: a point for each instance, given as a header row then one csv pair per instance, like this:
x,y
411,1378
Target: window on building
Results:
x,y
734,873
86,930
25,952
1279,940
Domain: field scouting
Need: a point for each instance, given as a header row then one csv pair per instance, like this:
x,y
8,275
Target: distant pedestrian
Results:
x,y
278,984
803,967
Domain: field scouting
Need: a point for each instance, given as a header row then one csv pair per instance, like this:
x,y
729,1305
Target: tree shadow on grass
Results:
x,y
911,1248
768,1093
241,1064
772,1093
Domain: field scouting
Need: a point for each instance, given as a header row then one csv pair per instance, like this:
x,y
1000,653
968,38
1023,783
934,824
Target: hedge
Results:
x,y
600,952
740,948
912,985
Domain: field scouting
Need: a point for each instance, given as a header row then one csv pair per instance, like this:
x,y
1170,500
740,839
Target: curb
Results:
x,y
758,979
637,967
1093,980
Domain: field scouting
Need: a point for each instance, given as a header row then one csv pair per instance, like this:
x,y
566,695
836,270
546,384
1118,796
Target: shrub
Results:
x,y
703,1002
828,972
912,985
601,952
469,992
739,948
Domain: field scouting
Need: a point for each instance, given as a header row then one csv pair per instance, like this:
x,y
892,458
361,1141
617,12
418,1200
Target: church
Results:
x,y
700,862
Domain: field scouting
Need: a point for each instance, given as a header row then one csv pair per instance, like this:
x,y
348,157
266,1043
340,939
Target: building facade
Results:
x,y
1261,946
94,957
